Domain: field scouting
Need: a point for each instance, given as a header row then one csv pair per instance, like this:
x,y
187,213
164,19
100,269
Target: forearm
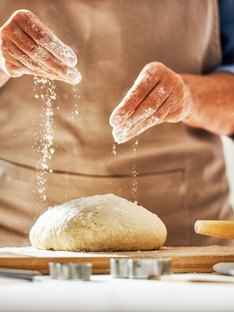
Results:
x,y
212,105
3,78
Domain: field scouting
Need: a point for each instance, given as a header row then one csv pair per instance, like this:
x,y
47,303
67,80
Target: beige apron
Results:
x,y
181,173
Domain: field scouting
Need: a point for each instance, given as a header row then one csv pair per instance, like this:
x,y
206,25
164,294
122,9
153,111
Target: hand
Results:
x,y
158,95
27,46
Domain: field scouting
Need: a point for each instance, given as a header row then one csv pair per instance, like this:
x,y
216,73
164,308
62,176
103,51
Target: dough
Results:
x,y
98,223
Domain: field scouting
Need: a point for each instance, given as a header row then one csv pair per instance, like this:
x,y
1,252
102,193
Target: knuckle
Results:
x,y
24,58
7,30
34,51
150,102
159,66
41,38
4,46
152,65
18,16
21,14
24,18
39,53
13,70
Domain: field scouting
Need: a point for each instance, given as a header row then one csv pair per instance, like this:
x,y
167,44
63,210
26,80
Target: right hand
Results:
x,y
27,46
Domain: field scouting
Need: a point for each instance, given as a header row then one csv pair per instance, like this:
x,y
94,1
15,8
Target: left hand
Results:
x,y
158,95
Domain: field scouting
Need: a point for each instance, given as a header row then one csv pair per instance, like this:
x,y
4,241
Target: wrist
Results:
x,y
189,109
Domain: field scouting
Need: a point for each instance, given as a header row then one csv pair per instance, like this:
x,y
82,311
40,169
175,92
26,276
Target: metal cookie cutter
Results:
x,y
119,267
149,268
70,271
140,268
226,268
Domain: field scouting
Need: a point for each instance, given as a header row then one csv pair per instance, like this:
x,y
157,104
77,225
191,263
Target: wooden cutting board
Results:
x,y
184,259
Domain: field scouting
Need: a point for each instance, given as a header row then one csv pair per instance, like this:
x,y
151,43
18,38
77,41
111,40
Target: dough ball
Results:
x,y
98,223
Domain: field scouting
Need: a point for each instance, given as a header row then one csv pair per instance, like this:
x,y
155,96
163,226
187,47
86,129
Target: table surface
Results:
x,y
104,293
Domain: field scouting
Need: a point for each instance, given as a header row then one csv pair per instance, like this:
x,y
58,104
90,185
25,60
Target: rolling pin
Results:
x,y
221,229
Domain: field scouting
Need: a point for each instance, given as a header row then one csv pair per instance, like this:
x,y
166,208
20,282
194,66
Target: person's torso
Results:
x,y
180,169
113,40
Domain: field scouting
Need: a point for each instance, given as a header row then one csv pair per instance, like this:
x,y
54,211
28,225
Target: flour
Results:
x,y
114,149
46,91
113,154
134,174
59,49
77,97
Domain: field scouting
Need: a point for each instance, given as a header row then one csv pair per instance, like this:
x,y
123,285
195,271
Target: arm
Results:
x,y
160,95
28,47
206,102
212,105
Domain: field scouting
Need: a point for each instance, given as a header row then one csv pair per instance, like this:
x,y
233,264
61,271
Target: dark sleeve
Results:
x,y
226,15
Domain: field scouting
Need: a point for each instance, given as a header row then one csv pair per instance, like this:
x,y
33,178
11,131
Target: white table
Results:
x,y
106,294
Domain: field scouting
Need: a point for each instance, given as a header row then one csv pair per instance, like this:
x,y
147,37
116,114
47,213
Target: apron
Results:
x,y
175,171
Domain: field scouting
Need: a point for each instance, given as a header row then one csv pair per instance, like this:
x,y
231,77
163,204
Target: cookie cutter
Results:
x,y
119,267
225,268
139,268
70,271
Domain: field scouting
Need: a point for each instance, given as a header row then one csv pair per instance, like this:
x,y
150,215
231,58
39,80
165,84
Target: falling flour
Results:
x,y
76,96
45,90
114,149
134,174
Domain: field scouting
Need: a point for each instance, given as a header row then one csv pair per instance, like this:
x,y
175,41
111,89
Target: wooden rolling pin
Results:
x,y
221,229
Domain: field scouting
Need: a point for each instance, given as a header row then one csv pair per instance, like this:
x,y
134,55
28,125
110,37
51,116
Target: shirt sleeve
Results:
x,y
226,15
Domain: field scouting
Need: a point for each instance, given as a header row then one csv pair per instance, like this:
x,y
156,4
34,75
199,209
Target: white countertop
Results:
x,y
104,293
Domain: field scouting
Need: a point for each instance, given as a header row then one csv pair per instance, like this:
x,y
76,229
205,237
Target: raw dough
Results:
x,y
98,223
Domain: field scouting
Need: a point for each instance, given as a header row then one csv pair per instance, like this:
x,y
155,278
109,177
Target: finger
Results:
x,y
145,125
171,104
43,36
11,50
166,89
176,107
42,56
156,119
148,123
148,107
143,85
14,68
34,67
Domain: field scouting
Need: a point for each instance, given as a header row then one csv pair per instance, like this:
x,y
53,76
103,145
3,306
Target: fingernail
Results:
x,y
74,75
120,135
115,120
